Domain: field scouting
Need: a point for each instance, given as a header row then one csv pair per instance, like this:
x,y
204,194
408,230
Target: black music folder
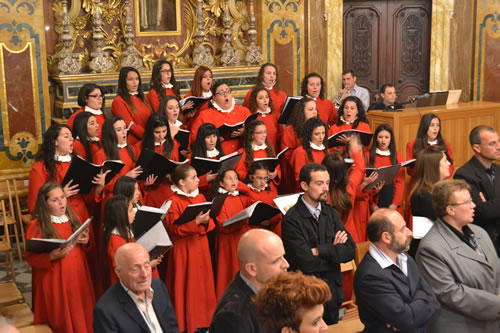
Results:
x,y
226,129
203,165
257,213
156,164
365,138
288,107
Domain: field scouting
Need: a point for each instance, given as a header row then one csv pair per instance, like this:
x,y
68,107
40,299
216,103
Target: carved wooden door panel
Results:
x,y
388,41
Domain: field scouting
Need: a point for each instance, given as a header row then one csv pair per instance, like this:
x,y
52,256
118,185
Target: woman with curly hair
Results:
x,y
313,86
293,302
269,79
261,103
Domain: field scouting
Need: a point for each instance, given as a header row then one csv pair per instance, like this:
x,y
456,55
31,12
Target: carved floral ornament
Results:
x,y
113,15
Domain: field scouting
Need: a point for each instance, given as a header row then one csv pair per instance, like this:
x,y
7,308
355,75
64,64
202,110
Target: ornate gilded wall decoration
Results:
x,y
201,54
101,62
253,56
228,57
67,62
277,5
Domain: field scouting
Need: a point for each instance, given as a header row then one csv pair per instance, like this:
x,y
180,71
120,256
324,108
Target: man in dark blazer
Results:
x,y
137,302
390,292
483,176
261,256
314,236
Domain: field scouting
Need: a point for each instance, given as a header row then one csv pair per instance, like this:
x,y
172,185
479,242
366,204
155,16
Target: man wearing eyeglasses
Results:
x,y
459,262
483,176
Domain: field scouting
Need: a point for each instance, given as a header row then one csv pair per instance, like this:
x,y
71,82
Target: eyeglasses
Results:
x,y
466,202
166,71
223,92
96,96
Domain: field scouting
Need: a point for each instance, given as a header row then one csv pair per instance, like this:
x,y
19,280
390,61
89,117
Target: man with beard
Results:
x,y
390,292
314,236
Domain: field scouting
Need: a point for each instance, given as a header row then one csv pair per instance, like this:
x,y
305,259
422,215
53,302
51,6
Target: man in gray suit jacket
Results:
x,y
460,263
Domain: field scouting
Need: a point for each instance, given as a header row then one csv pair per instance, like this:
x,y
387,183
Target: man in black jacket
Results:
x,y
137,302
483,176
261,256
315,239
390,292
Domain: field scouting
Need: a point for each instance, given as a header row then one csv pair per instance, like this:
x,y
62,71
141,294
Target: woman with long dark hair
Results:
x,y
163,83
269,79
313,86
85,133
131,104
63,293
260,102
91,98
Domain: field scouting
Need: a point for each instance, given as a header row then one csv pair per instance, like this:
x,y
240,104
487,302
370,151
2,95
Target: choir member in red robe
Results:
x,y
63,294
261,103
303,111
351,115
268,77
115,146
53,161
312,149
203,81
256,145
207,145
158,138
428,134
85,133
227,237
91,98
257,188
223,110
163,83
313,87
119,214
131,104
190,279
383,153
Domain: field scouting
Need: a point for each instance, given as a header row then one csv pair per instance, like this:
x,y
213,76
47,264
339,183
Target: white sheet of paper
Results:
x,y
421,226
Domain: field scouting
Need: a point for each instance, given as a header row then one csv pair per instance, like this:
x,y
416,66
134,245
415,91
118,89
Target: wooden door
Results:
x,y
388,41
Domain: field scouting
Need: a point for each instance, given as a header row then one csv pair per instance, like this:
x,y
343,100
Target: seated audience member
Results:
x,y
138,302
388,99
390,292
480,173
352,89
293,302
315,238
261,257
6,326
459,261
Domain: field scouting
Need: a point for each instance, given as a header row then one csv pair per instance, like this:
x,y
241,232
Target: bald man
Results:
x,y
261,255
137,302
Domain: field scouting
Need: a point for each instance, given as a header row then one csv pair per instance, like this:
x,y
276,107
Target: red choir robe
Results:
x,y
411,173
160,191
300,158
362,126
188,121
399,181
154,99
242,167
290,140
99,117
63,294
226,241
78,149
277,96
326,111
190,279
140,116
218,118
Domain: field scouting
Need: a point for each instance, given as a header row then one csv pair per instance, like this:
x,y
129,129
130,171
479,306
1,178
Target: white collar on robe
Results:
x,y
93,111
62,158
130,233
160,143
433,142
93,138
177,123
347,122
223,191
259,147
122,145
212,153
313,98
167,86
316,147
206,94
181,192
256,189
268,88
383,152
135,93
264,113
216,106
59,219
